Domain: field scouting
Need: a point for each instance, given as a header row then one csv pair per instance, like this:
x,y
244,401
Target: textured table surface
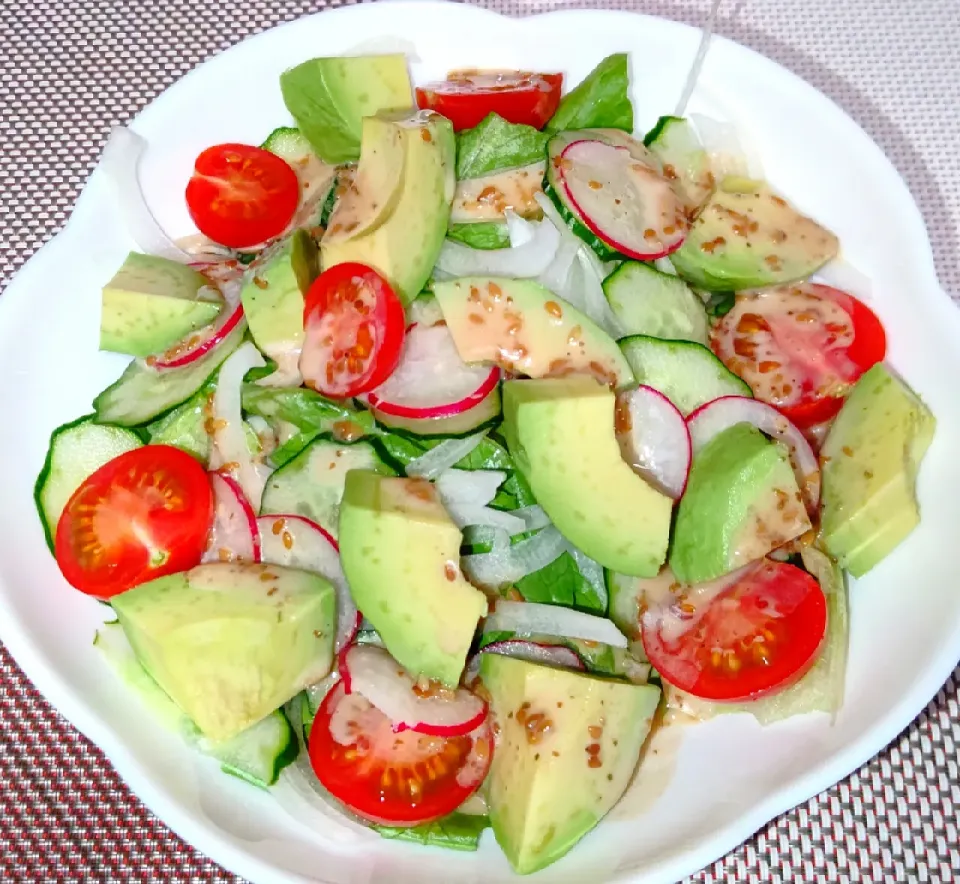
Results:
x,y
73,68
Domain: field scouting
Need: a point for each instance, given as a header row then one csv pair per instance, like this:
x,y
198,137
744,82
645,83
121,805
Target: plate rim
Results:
x,y
222,847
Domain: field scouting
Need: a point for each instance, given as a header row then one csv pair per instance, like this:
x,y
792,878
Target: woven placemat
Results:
x,y
72,68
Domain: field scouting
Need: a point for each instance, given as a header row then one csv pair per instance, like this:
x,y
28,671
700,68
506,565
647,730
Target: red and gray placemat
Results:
x,y
72,68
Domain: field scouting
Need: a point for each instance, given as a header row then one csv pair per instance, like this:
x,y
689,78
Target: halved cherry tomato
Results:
x,y
354,325
143,514
800,347
466,97
241,195
757,635
393,778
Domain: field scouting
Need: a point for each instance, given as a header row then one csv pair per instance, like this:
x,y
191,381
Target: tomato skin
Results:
x,y
758,635
240,195
393,778
822,360
355,326
466,97
156,495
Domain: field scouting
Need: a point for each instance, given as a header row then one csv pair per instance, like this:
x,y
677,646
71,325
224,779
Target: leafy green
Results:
x,y
456,831
495,144
561,583
292,447
481,235
602,100
304,408
327,210
183,427
489,638
513,494
720,303
402,449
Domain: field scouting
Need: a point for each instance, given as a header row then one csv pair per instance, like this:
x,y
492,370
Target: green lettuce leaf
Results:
x,y
304,408
402,449
457,831
480,235
495,144
602,100
561,583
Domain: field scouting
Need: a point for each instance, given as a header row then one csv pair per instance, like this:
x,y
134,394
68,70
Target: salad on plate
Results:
x,y
471,433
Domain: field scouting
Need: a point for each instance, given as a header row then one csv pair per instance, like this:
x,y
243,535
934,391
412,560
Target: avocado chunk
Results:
x,y
230,643
397,230
525,328
748,237
741,501
568,747
152,303
400,552
329,97
272,298
870,461
561,435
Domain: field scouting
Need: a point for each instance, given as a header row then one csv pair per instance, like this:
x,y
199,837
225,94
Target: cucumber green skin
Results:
x,y
657,130
44,475
284,758
288,143
600,248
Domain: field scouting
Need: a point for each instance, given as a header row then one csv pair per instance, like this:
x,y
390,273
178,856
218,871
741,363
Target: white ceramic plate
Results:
x,y
728,777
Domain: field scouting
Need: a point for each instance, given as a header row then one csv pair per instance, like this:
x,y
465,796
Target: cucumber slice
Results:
x,y
76,451
687,373
311,484
648,302
143,393
289,144
674,142
259,753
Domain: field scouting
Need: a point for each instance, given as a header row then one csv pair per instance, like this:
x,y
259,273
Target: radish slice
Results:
x,y
296,542
720,414
229,435
530,618
199,343
625,202
437,711
234,535
534,652
432,380
654,439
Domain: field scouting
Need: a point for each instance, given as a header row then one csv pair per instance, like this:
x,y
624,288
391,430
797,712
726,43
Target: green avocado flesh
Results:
x,y
741,501
870,461
400,552
544,790
561,434
230,643
153,303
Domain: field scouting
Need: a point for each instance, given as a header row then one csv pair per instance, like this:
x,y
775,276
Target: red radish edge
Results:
x,y
348,638
510,644
205,346
449,410
591,225
244,504
809,489
687,435
431,730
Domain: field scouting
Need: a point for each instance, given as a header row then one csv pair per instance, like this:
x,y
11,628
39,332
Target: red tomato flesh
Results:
x,y
800,347
466,97
756,636
393,778
144,514
354,325
240,195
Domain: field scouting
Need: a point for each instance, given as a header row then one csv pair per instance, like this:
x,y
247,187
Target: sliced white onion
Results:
x,y
229,436
530,618
519,229
728,157
592,571
596,305
371,672
497,539
654,439
535,652
120,161
234,536
698,59
296,542
720,414
441,457
534,517
469,486
501,567
521,262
